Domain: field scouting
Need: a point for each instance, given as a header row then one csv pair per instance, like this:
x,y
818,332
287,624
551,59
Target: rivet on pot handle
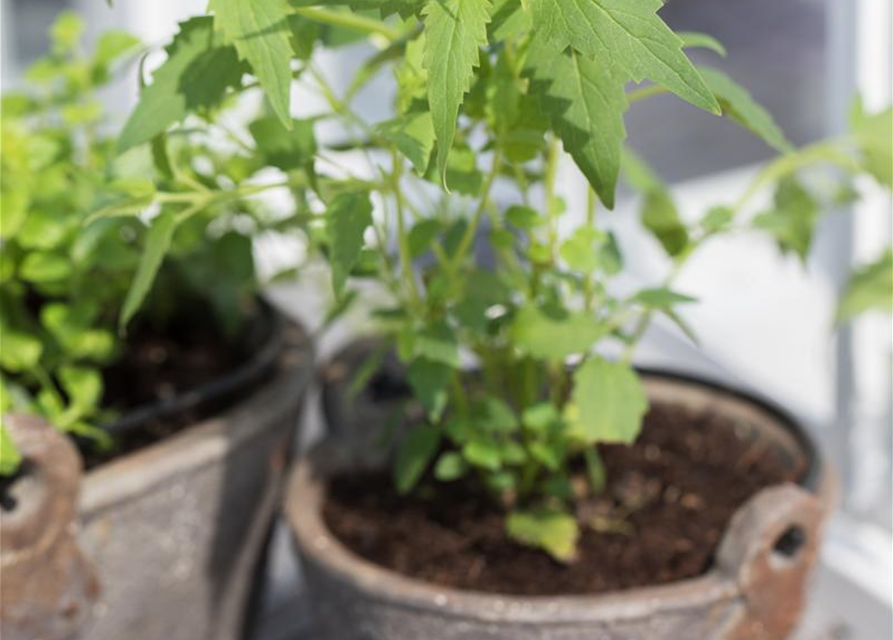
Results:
x,y
769,549
48,588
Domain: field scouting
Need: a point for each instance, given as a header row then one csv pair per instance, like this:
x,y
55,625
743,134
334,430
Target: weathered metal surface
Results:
x,y
755,591
47,587
176,530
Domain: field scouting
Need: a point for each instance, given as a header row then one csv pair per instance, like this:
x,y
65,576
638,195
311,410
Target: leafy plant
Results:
x,y
452,207
84,231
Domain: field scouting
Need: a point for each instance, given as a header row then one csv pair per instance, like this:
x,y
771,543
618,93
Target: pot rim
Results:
x,y
316,543
212,438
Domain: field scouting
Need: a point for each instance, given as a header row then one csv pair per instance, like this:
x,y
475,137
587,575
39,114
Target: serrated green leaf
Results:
x,y
609,402
416,452
554,336
158,241
630,34
510,20
260,32
585,100
455,31
287,149
869,288
196,75
413,135
551,530
347,219
740,106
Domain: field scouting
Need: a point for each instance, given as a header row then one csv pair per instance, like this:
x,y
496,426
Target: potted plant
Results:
x,y
132,321
539,485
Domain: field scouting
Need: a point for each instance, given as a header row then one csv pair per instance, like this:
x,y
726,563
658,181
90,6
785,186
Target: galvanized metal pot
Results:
x,y
755,591
176,530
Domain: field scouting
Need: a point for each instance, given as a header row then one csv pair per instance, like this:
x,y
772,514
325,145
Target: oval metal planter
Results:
x,y
175,531
755,591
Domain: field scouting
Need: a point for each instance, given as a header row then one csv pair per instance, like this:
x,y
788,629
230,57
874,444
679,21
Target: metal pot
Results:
x,y
755,591
177,530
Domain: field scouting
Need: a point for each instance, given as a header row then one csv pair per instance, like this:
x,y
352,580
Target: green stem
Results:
x,y
471,229
552,160
350,21
402,235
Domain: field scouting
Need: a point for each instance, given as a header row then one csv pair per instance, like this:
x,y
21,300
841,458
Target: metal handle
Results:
x,y
48,588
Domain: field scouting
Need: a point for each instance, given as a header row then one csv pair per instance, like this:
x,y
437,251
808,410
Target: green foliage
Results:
x,y
608,402
869,289
553,531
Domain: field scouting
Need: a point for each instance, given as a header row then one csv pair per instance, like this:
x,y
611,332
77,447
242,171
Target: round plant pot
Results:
x,y
755,590
176,530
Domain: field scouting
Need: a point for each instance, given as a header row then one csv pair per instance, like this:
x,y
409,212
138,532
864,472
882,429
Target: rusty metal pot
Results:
x,y
47,587
755,591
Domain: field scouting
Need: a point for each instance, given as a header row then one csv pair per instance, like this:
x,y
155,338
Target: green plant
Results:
x,y
81,229
490,95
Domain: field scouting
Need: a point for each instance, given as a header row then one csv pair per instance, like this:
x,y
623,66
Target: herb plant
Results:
x,y
81,228
490,95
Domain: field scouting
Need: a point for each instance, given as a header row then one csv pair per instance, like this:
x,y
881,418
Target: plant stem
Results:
x,y
402,235
549,183
471,229
350,21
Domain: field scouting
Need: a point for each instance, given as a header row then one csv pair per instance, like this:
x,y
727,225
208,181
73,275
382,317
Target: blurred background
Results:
x,y
766,323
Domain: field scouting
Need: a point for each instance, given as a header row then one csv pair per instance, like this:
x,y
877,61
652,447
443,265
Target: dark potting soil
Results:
x,y
677,487
158,365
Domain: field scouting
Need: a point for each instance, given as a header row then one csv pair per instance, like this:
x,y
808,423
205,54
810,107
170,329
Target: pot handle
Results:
x,y
769,549
48,587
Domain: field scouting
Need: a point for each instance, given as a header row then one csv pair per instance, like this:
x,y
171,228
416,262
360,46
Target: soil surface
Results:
x,y
159,365
669,499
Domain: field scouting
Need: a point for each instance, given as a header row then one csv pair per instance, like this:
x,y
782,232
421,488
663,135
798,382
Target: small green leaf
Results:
x,y
415,454
158,241
287,149
661,298
869,288
580,251
348,217
609,402
524,217
631,35
21,352
455,31
83,387
541,417
551,530
873,134
493,415
740,106
413,135
422,235
41,267
696,40
484,454
429,381
450,466
661,217
10,458
717,219
437,343
555,336
793,218
260,32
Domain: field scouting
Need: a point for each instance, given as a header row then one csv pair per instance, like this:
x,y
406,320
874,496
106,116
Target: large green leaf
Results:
x,y
608,402
158,241
630,34
551,530
198,70
554,336
429,381
740,106
869,288
584,100
348,217
260,32
455,31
